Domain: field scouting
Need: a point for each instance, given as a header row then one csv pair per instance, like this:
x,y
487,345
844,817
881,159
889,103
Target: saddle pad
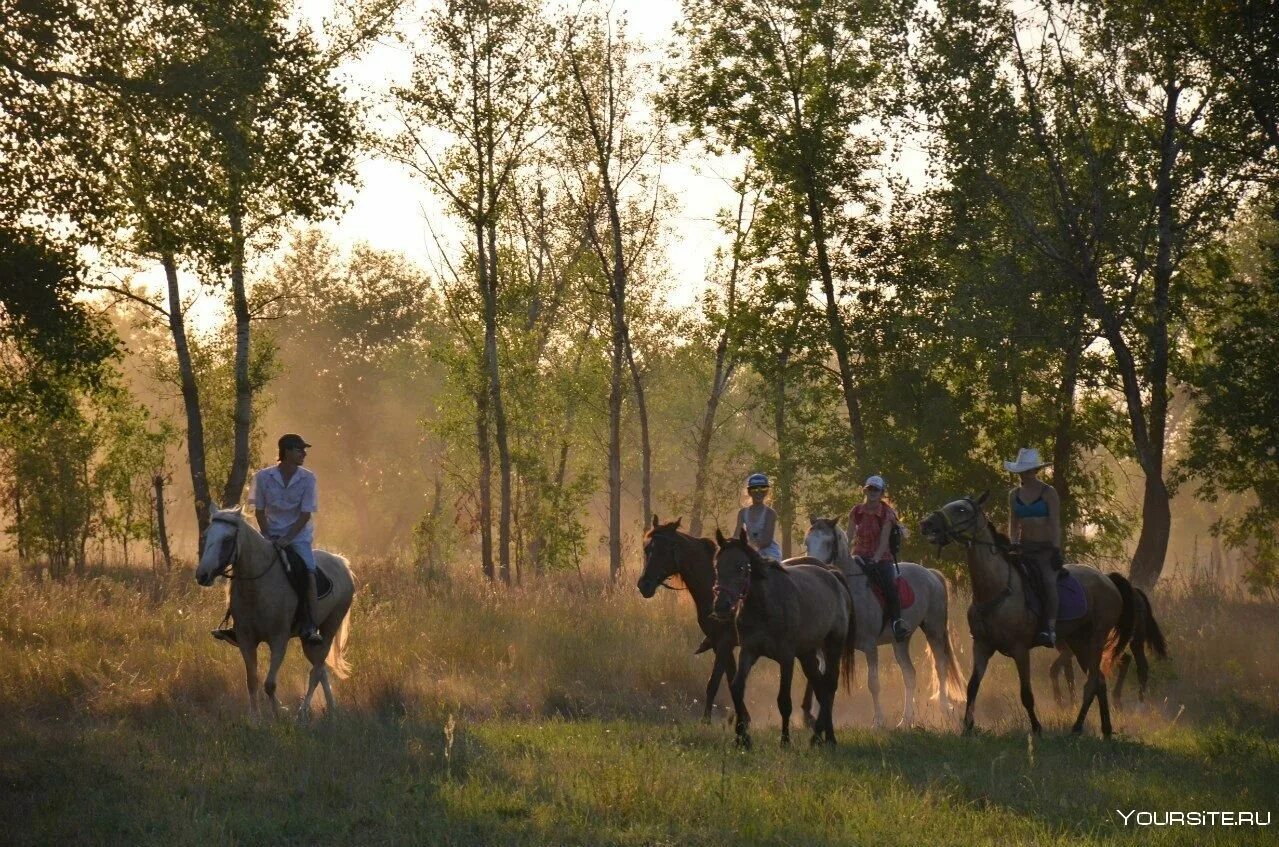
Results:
x,y
1072,602
904,593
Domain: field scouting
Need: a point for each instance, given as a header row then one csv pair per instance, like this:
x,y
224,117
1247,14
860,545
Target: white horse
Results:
x,y
264,605
827,542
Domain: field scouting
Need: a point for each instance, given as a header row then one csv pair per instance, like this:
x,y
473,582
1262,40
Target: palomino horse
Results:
x,y
264,605
673,555
828,543
1145,631
800,611
1001,620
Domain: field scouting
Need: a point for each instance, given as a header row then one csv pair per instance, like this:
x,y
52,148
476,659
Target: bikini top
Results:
x,y
1038,508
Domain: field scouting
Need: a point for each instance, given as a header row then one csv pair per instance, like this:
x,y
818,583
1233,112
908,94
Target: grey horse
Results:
x,y
828,543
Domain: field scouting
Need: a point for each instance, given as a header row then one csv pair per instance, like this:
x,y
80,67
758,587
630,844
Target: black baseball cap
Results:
x,y
291,441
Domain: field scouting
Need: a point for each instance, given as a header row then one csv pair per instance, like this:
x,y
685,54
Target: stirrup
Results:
x,y
227,635
312,635
1044,638
900,631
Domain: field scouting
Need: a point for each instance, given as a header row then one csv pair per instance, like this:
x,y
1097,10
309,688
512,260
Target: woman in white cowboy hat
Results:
x,y
1034,522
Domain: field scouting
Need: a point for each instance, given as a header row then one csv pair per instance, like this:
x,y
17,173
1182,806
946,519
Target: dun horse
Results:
x,y
264,605
800,611
1001,620
828,543
673,555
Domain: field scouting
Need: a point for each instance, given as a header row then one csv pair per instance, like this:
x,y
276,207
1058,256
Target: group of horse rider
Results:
x,y
1034,525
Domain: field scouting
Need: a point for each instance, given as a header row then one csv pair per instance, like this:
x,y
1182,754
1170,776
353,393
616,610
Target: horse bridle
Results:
x,y
648,555
225,568
954,532
740,599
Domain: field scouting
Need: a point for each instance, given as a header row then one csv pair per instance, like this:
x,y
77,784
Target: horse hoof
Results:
x,y
1077,730
785,740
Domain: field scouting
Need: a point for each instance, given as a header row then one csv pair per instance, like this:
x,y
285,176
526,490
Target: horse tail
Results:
x,y
850,639
1122,633
955,688
337,652
1153,633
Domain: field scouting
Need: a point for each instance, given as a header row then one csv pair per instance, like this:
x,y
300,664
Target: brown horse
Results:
x,y
1145,631
264,605
801,611
1001,620
671,555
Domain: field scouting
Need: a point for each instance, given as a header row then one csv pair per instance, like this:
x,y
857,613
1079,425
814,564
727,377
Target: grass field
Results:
x,y
567,715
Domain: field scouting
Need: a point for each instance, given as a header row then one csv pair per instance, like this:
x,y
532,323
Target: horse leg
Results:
x,y
784,699
816,683
872,682
902,650
1090,687
1143,673
940,648
1103,703
1062,662
712,684
316,654
278,649
250,654
830,685
1124,663
981,655
1022,658
738,689
806,705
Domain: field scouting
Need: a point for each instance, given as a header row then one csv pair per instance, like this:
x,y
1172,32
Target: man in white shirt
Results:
x,y
284,497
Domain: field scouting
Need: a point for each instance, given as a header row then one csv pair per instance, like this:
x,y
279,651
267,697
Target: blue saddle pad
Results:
x,y
1072,602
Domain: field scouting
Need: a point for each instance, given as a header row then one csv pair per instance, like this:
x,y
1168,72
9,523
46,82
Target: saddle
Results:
x,y
1072,600
297,576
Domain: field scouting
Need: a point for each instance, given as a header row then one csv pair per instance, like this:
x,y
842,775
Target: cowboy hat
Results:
x,y
1027,460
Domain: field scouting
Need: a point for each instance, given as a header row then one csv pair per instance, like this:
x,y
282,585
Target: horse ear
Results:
x,y
678,521
741,532
719,537
812,520
982,498
655,521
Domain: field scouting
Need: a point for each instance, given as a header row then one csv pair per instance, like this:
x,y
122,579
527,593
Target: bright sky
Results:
x,y
389,207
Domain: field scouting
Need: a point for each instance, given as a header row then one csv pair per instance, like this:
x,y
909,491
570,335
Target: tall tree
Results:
x,y
477,81
789,81
615,154
1130,171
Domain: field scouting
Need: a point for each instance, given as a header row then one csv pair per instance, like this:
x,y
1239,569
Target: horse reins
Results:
x,y
225,571
953,533
652,539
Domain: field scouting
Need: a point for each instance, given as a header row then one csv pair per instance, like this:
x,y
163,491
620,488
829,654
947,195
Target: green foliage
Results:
x,y
1233,369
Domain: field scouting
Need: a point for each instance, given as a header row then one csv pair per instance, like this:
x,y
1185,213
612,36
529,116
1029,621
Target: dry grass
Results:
x,y
573,721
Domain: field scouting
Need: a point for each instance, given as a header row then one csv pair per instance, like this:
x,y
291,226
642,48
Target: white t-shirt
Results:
x,y
284,504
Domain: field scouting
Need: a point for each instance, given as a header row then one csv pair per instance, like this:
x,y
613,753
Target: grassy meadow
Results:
x,y
568,714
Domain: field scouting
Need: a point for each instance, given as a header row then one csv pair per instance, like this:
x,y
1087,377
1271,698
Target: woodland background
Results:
x,y
1089,264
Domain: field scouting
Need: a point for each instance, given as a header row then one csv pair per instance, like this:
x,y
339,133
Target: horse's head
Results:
x,y
221,545
661,556
822,540
959,520
736,564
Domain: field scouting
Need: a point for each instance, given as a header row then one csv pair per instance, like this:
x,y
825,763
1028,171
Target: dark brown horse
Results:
x,y
673,559
801,611
1001,620
1145,631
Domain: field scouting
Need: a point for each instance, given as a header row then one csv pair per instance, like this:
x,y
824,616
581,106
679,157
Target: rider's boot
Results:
x,y
310,633
1047,635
